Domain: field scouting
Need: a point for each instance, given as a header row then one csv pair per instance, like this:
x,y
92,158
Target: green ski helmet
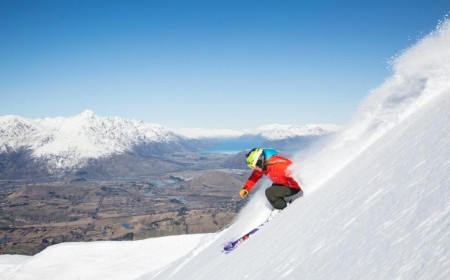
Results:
x,y
255,158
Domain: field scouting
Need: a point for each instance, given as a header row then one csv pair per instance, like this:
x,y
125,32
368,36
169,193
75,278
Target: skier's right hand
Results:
x,y
243,193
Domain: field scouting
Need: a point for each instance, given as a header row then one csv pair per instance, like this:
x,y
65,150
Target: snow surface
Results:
x,y
376,203
99,260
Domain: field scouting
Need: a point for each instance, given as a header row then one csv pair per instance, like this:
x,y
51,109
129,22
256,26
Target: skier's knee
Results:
x,y
270,195
267,192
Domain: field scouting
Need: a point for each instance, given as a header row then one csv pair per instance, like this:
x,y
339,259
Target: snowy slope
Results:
x,y
99,260
384,216
420,74
376,202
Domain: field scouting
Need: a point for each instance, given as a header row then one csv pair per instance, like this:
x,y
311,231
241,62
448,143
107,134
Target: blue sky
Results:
x,y
212,64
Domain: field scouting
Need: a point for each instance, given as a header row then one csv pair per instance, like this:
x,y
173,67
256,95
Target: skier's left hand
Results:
x,y
243,193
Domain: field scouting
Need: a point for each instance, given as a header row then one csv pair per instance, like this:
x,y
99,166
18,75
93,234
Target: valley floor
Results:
x,y
35,216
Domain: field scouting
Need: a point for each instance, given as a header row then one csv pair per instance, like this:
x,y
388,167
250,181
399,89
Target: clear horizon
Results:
x,y
233,64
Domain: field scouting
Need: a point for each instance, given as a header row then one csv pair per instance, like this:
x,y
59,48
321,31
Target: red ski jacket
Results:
x,y
276,171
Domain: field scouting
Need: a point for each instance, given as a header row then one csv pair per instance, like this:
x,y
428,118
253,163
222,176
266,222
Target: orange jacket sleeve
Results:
x,y
251,181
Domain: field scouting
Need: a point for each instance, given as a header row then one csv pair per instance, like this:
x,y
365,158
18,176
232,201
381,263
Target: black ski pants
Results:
x,y
276,194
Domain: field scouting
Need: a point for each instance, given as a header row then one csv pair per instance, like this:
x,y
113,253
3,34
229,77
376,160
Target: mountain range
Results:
x,y
112,146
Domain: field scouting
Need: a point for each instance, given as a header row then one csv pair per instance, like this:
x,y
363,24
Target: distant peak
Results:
x,y
88,113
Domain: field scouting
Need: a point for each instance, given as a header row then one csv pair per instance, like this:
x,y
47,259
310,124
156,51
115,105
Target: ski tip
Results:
x,y
228,247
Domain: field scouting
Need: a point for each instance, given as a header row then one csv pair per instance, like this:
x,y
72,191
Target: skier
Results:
x,y
267,162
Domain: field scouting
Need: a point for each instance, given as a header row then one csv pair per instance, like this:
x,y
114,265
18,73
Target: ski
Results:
x,y
231,245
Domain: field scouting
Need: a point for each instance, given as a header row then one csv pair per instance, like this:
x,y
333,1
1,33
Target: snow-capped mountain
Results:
x,y
70,143
281,132
268,132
